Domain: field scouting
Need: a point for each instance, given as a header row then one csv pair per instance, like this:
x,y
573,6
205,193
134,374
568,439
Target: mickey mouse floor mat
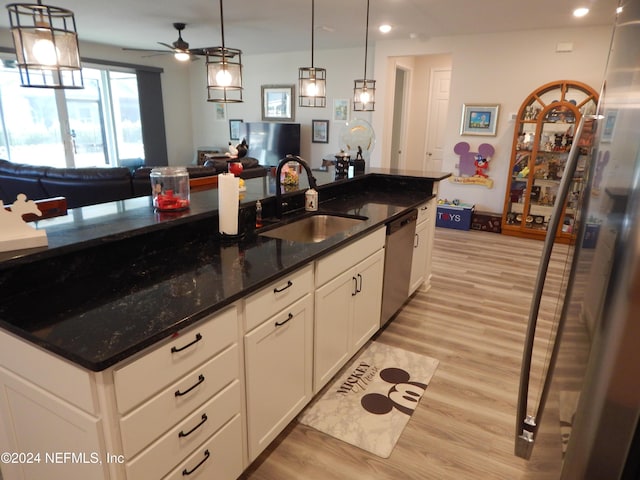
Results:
x,y
371,402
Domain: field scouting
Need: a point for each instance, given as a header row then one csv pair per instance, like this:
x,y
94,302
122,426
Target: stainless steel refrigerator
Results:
x,y
581,362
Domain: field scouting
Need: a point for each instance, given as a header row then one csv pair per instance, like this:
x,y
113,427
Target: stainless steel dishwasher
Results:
x,y
397,264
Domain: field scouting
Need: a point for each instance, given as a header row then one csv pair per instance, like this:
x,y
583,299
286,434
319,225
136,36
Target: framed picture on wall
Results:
x,y
277,102
320,131
234,129
479,119
219,111
341,110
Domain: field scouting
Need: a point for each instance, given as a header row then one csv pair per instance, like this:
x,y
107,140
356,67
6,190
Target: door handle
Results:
x,y
278,290
526,426
289,317
355,287
186,472
179,349
186,434
178,393
359,289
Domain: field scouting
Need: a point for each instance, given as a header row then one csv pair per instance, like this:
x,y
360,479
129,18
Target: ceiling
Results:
x,y
263,26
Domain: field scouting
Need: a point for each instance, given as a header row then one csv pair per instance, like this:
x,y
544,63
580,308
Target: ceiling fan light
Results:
x,y
182,56
46,46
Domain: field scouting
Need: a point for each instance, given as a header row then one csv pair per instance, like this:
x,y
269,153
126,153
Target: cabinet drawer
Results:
x,y
143,377
219,458
180,441
273,298
143,425
333,265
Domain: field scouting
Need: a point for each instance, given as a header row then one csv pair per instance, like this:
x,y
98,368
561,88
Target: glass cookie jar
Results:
x,y
170,188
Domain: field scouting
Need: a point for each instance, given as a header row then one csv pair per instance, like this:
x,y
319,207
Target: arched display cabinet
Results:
x,y
543,136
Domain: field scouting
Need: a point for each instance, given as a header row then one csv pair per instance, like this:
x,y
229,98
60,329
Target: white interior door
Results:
x,y
439,87
398,134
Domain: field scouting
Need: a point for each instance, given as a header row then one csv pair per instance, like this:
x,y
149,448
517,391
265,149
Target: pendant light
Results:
x,y
312,81
224,71
46,44
364,90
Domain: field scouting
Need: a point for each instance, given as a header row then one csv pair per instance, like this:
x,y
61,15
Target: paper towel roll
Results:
x,y
228,200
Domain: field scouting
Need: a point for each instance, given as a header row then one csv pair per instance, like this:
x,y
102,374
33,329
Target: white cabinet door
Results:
x,y
333,313
278,358
422,247
368,300
429,236
419,260
55,438
347,314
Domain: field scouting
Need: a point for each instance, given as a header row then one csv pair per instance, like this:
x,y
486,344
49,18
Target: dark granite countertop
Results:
x,y
118,277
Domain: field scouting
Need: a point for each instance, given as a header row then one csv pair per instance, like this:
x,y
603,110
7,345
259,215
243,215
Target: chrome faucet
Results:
x,y
311,178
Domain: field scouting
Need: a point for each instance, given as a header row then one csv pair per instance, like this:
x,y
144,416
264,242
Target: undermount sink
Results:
x,y
313,229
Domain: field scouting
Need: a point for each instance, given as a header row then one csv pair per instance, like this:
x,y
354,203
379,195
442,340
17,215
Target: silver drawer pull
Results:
x,y
200,380
186,434
279,324
278,290
186,472
176,349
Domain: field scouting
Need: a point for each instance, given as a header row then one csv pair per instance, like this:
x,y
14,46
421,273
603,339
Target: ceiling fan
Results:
x,y
179,48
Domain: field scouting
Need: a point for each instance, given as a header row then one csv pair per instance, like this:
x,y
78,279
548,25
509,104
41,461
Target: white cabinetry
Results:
x,y
422,246
41,428
347,303
47,407
278,361
202,403
174,407
173,400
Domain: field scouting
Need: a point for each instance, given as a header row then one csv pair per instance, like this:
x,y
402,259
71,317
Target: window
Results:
x,y
99,125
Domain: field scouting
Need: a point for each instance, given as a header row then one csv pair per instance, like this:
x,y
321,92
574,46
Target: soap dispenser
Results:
x,y
311,200
259,223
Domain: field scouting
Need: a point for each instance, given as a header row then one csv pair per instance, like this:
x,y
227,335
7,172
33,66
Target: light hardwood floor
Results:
x,y
473,320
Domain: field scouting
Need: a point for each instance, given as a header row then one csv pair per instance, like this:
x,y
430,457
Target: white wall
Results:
x,y
175,95
343,67
492,68
175,85
419,84
495,69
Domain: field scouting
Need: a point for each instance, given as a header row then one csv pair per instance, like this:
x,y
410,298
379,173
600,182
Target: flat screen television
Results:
x,y
269,142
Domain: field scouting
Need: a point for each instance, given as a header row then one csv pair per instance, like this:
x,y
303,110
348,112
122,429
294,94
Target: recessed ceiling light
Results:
x,y
385,28
619,10
580,12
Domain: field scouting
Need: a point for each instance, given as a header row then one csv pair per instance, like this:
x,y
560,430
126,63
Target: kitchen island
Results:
x,y
118,281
